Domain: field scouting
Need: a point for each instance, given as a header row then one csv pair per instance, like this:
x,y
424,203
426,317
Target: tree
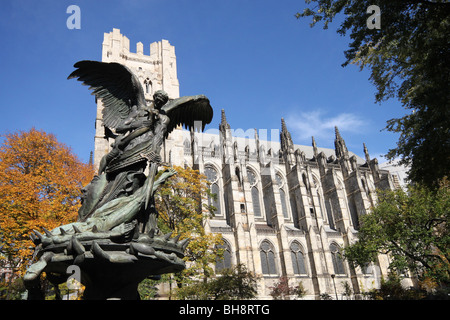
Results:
x,y
413,228
183,210
40,187
235,283
408,58
283,291
392,289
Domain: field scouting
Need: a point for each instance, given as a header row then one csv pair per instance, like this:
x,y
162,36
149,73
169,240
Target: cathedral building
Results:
x,y
282,209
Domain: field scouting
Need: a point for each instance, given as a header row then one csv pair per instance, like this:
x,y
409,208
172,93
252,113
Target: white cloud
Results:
x,y
316,123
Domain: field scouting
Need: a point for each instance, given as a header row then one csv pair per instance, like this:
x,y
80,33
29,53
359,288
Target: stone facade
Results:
x,y
283,209
157,71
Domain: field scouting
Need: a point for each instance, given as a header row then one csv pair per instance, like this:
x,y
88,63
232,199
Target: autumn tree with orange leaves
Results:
x,y
40,186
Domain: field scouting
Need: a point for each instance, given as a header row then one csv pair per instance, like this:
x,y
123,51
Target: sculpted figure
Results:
x,y
117,221
140,127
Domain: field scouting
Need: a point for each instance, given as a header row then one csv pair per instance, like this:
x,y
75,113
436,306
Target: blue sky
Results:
x,y
252,58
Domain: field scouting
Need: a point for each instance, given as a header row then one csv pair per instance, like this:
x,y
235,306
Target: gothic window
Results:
x,y
215,201
294,208
251,177
255,193
330,217
280,183
283,203
267,253
148,86
256,203
364,186
211,174
366,270
338,262
238,175
318,193
212,177
187,146
298,258
228,208
305,182
354,213
225,262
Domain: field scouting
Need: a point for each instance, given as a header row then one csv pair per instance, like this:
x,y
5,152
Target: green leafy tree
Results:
x,y
183,210
413,228
408,59
235,283
392,289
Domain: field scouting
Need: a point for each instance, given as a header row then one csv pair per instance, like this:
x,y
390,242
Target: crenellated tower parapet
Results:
x,y
156,71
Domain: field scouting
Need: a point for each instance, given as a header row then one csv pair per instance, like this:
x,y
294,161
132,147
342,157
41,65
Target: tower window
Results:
x,y
284,208
255,193
148,86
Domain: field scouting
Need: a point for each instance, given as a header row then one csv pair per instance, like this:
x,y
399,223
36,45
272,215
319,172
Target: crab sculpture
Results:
x,y
113,251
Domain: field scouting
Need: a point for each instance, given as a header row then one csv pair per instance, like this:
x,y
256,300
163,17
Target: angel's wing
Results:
x,y
113,83
187,111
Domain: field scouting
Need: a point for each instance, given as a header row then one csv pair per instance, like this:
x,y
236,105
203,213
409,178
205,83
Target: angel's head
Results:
x,y
160,98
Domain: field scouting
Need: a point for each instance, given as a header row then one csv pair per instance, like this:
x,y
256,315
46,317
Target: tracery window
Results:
x,y
298,258
148,86
329,209
255,193
267,254
225,262
213,178
338,262
280,183
353,212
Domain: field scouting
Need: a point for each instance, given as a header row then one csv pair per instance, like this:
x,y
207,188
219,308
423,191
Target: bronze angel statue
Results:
x,y
140,128
117,221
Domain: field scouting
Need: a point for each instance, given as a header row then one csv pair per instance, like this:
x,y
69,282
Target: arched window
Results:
x,y
267,253
255,193
364,186
353,212
225,262
212,177
283,204
305,181
255,201
284,208
338,262
148,86
298,258
329,210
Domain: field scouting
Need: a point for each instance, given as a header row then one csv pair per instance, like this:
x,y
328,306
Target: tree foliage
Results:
x,y
392,289
408,58
283,291
413,228
40,186
181,203
235,283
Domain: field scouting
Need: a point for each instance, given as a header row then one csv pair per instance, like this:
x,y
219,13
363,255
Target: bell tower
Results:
x,y
156,71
